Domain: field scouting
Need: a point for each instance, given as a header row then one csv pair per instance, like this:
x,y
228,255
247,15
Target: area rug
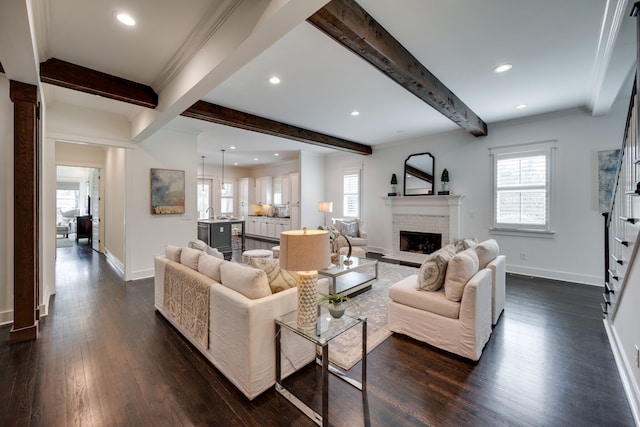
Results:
x,y
346,350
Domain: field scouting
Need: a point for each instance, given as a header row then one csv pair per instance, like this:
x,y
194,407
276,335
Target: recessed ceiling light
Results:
x,y
255,158
276,154
233,147
274,80
502,68
521,106
355,113
126,19
235,164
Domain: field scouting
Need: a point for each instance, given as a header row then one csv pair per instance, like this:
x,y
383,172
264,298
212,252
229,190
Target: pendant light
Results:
x,y
222,183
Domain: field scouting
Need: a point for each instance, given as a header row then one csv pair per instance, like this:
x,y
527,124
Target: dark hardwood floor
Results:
x,y
105,358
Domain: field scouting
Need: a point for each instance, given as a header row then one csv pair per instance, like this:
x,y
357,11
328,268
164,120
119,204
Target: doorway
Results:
x,y
78,207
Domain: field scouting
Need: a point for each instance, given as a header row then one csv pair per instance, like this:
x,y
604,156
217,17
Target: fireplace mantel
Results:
x,y
425,213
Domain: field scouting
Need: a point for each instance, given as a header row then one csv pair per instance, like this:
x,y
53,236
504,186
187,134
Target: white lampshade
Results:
x,y
325,207
304,250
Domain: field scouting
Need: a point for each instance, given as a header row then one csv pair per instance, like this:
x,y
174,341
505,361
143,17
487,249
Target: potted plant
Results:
x,y
394,183
336,304
444,178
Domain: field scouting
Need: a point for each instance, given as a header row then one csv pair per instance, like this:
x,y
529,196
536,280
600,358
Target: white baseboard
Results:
x,y
556,275
629,384
142,274
6,317
113,260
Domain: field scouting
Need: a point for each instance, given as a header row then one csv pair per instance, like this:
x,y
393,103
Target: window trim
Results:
x,y
518,151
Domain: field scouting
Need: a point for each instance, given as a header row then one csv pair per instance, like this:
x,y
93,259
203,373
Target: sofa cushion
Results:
x,y
189,257
173,252
279,279
248,281
209,265
461,268
486,251
433,270
405,292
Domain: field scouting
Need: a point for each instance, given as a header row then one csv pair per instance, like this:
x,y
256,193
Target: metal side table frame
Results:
x,y
321,337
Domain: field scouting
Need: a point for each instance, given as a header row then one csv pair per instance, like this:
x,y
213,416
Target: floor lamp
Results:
x,y
325,207
305,251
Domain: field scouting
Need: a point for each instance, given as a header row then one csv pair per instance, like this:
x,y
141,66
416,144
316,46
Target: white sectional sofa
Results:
x,y
454,311
240,337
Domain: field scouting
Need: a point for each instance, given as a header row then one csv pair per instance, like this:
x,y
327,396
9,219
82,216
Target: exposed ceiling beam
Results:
x,y
206,111
410,170
350,25
76,77
1,69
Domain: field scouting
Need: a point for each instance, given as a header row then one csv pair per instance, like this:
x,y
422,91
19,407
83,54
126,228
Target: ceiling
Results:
x,y
565,54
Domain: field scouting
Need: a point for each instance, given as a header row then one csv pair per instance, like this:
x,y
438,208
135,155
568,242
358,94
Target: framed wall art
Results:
x,y
167,191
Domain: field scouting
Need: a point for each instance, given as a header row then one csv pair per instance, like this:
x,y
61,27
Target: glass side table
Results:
x,y
326,330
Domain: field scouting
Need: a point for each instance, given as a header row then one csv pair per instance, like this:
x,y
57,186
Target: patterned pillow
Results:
x,y
465,243
279,279
349,227
433,270
461,268
198,244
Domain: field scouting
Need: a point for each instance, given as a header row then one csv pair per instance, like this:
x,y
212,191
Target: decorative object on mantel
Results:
x,y
444,178
419,175
394,184
167,191
305,251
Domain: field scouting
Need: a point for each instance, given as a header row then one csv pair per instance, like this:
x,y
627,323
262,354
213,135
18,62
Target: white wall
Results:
x,y
147,234
576,252
113,180
312,188
6,208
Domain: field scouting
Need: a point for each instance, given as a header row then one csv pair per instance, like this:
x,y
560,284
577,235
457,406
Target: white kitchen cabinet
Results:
x,y
246,196
264,190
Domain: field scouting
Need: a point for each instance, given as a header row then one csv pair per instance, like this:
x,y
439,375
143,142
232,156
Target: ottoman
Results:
x,y
255,253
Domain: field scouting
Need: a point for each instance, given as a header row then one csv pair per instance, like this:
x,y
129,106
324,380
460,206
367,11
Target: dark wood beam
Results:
x,y
76,77
350,25
1,68
206,111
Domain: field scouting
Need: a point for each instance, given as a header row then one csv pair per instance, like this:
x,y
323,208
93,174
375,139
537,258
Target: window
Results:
x,y
521,187
351,194
226,199
204,198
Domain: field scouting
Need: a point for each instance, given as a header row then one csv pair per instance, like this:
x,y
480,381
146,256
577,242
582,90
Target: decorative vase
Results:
x,y
336,309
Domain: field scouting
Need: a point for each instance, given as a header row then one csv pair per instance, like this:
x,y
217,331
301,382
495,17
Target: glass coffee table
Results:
x,y
349,279
326,330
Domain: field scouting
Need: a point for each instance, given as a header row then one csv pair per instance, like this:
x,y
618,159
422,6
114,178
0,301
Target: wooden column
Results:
x,y
25,212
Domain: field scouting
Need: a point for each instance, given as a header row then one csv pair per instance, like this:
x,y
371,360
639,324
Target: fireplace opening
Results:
x,y
420,243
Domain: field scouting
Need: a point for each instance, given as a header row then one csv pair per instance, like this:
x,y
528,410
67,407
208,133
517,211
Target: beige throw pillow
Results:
x,y
433,270
486,251
190,257
279,279
465,243
210,266
198,244
461,268
173,252
248,281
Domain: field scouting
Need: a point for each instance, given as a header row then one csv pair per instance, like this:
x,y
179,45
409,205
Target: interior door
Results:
x,y
95,208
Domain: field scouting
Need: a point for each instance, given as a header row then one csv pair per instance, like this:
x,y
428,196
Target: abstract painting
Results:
x,y
167,191
607,168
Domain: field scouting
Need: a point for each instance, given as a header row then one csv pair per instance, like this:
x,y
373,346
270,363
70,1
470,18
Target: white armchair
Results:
x,y
352,229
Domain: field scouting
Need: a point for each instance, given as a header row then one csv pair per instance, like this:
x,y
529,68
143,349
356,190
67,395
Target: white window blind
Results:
x,y
351,194
522,186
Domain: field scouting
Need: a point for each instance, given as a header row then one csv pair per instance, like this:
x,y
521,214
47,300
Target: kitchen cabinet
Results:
x,y
246,195
267,227
294,203
264,190
219,233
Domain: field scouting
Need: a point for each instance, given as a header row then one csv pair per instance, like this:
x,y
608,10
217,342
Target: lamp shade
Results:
x,y
304,250
325,207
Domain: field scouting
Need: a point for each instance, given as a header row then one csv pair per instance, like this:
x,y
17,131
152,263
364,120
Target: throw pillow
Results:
x,y
350,228
214,252
486,252
461,268
465,243
189,257
248,281
198,244
279,279
210,266
173,252
433,270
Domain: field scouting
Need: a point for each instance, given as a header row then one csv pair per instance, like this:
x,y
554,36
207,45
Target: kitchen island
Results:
x,y
219,234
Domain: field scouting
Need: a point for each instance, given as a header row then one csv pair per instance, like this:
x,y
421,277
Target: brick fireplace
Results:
x,y
420,214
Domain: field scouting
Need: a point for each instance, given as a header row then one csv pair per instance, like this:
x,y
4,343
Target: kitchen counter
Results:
x,y
220,234
216,221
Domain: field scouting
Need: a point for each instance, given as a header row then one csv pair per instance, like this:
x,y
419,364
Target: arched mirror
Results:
x,y
418,175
